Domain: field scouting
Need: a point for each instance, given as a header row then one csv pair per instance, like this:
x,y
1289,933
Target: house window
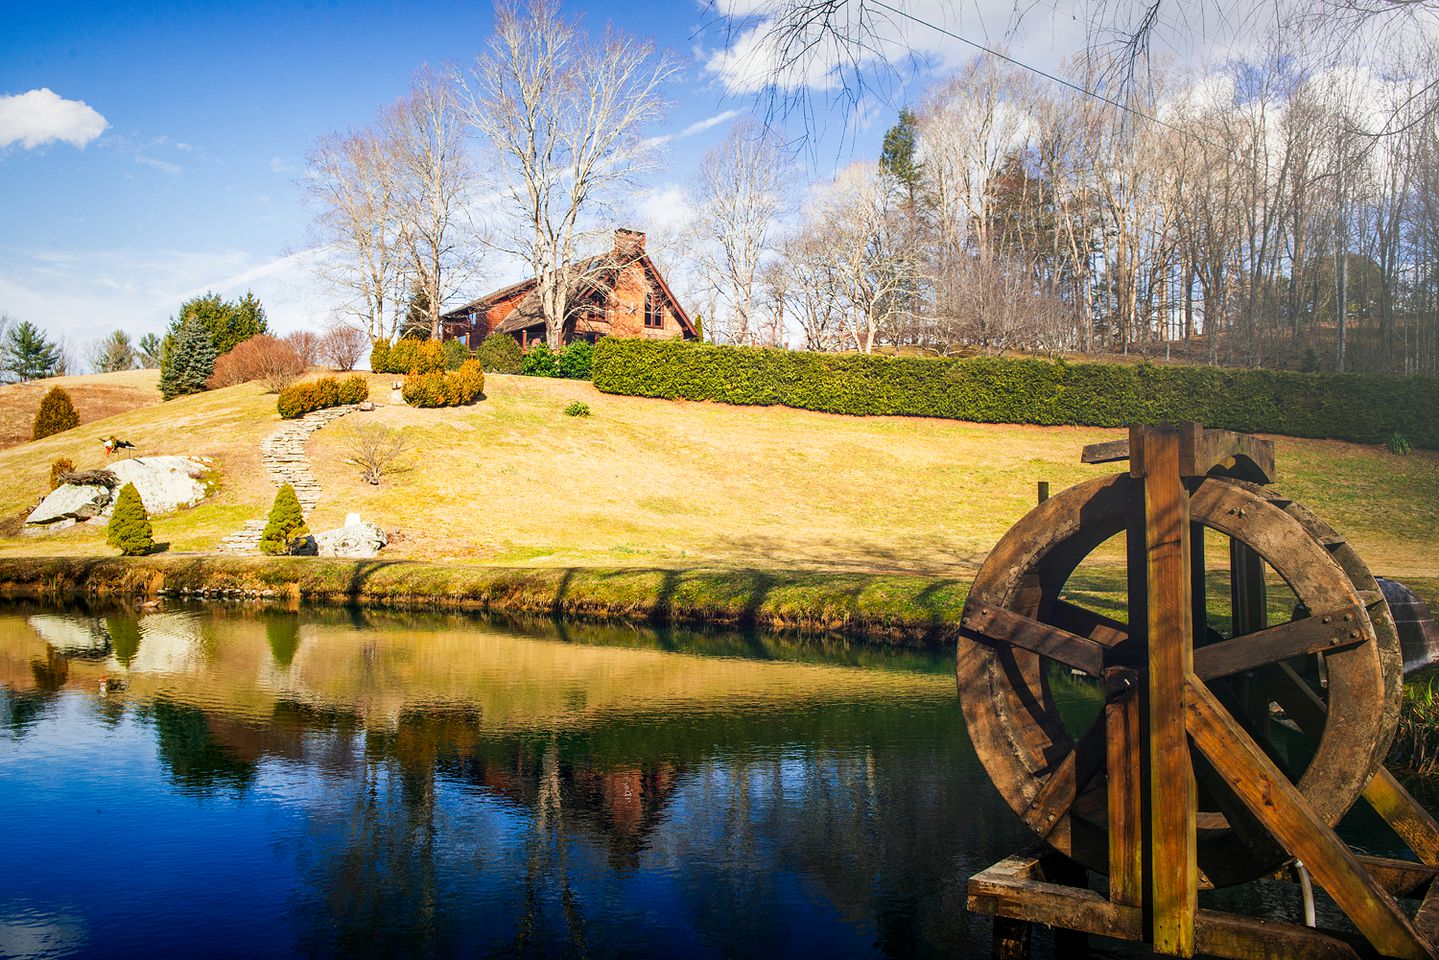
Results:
x,y
654,316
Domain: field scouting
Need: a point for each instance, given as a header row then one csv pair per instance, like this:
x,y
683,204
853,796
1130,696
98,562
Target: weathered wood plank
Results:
x,y
1069,778
1125,779
1083,622
1236,937
1109,451
1331,630
1279,804
1174,876
1400,878
996,624
1012,888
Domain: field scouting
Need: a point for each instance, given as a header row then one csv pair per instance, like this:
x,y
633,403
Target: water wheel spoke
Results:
x,y
1068,779
1332,630
1083,622
999,625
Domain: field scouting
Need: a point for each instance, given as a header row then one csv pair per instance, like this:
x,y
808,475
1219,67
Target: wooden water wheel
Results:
x,y
1018,625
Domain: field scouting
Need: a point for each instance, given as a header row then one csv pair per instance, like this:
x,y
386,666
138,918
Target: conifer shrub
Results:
x,y
574,360
380,356
456,353
1365,408
188,361
578,409
299,399
56,414
129,527
540,361
58,469
402,356
445,389
285,529
500,353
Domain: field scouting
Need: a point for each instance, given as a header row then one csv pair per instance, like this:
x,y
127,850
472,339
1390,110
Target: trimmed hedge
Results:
x,y
299,399
409,356
1365,408
451,388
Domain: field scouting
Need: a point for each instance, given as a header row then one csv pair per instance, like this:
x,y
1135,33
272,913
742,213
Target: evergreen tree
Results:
x,y
228,323
56,414
114,353
416,324
188,362
129,527
28,355
286,524
899,158
699,323
150,349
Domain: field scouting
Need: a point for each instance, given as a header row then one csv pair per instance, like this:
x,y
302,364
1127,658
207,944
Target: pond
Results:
x,y
219,780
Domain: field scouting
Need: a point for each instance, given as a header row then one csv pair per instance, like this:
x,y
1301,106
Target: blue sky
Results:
x,y
208,109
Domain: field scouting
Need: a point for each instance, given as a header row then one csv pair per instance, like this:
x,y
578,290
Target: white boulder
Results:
x,y
358,539
71,502
165,484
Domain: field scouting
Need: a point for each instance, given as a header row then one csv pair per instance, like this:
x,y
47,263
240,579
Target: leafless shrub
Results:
x,y
306,344
342,346
272,362
377,450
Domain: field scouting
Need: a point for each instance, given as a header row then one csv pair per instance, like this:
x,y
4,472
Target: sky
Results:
x,y
150,152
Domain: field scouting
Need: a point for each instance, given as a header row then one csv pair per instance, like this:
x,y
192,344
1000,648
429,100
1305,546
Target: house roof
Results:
x,y
596,271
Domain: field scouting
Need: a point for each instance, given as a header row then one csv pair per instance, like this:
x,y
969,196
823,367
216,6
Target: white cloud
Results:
x,y
665,209
283,165
708,123
162,165
42,116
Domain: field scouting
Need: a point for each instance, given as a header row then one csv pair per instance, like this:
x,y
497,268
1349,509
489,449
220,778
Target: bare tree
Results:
x,y
377,450
741,194
306,344
562,112
434,180
351,184
342,345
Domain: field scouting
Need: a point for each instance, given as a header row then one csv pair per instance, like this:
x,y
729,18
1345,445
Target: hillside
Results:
x,y
648,483
96,397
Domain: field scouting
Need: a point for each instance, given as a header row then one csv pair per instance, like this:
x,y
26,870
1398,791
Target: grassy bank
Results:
x,y
900,610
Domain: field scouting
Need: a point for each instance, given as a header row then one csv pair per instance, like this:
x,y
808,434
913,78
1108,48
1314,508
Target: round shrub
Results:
x,y
500,353
299,399
574,360
456,353
56,414
275,363
354,389
129,527
402,356
424,390
285,528
441,389
429,357
540,361
380,356
58,469
578,409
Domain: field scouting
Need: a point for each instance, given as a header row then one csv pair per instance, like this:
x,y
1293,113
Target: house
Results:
x,y
619,293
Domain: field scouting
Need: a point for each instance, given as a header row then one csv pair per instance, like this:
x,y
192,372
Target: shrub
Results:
x,y
299,399
275,363
285,529
578,409
129,527
306,344
58,469
1399,444
56,414
380,356
430,357
341,346
456,353
500,353
575,360
540,361
1361,407
187,360
376,450
445,389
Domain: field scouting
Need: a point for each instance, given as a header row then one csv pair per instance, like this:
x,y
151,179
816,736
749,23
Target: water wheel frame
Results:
x,y
1015,620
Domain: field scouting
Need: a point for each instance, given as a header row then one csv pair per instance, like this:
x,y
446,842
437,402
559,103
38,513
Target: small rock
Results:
x,y
367,405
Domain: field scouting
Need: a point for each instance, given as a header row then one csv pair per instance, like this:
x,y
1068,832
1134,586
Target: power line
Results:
x,y
1046,75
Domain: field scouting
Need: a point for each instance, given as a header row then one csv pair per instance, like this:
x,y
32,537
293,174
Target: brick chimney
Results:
x,y
628,244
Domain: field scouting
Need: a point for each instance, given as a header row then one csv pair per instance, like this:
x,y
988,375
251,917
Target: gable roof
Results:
x,y
597,271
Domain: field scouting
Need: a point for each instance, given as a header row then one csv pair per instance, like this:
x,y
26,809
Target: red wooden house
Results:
x,y
619,293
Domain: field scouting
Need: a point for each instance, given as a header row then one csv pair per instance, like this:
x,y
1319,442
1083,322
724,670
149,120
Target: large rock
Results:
x,y
71,502
165,484
358,539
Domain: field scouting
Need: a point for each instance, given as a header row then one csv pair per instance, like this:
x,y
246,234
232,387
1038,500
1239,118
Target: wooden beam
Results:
x,y
996,624
1285,813
1110,451
1083,622
1067,780
1174,874
1332,630
1124,776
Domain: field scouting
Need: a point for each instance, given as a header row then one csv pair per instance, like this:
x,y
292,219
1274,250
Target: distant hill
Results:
x,y
96,397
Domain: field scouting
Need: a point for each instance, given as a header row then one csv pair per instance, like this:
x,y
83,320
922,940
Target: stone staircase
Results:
x,y
283,454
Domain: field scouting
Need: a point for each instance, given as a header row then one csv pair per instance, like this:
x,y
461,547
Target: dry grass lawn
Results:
x,y
96,397
675,485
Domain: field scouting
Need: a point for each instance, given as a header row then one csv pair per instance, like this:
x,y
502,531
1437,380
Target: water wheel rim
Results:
x,y
1012,716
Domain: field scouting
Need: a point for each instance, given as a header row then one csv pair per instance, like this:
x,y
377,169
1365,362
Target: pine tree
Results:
x,y
129,527
189,362
56,414
28,355
286,524
114,353
149,351
699,322
899,158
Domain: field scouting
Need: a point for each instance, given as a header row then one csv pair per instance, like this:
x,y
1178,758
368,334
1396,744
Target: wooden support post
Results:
x,y
1011,939
1124,776
1247,593
1174,872
1198,586
1043,490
